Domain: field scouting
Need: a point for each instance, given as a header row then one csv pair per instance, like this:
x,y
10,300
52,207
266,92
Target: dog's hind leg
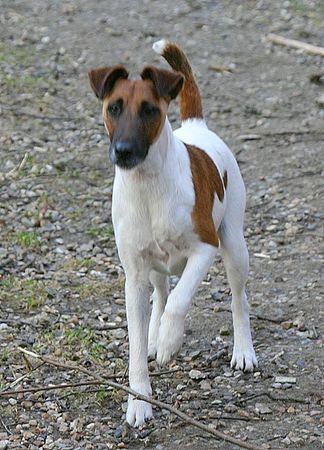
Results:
x,y
160,283
236,259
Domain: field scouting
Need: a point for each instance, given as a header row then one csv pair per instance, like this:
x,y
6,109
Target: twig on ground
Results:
x,y
49,388
309,48
23,377
272,397
255,316
110,327
161,405
5,426
19,167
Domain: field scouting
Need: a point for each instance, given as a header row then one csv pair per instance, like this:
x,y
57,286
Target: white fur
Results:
x,y
151,210
159,46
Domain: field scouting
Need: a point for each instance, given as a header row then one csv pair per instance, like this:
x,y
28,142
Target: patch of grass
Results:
x,y
101,396
7,282
26,294
99,288
97,351
4,356
117,396
251,110
22,56
80,336
27,82
298,6
94,231
75,264
27,239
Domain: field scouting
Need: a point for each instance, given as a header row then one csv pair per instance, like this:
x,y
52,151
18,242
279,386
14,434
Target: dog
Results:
x,y
178,198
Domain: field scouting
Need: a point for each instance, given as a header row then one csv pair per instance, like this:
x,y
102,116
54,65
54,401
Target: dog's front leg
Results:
x,y
172,322
137,310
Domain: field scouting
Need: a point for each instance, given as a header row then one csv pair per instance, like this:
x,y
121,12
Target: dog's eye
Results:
x,y
114,109
148,110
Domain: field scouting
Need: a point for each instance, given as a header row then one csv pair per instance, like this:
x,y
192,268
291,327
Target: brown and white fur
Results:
x,y
178,197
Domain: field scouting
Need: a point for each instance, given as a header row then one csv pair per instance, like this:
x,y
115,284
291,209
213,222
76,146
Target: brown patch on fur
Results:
x,y
206,180
168,84
103,79
130,124
190,100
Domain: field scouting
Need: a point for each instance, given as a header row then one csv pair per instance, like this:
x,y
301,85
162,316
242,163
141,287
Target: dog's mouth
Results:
x,y
126,155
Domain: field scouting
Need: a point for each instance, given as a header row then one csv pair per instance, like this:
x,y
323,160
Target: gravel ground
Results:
x,y
61,284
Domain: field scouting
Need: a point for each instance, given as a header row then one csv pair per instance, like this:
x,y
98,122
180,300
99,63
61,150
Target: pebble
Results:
x,y
4,445
261,408
283,380
224,331
286,325
320,101
196,374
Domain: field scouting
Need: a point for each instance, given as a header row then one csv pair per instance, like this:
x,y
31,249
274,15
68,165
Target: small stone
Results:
x,y
283,380
224,331
12,401
287,324
299,323
45,39
291,410
230,408
196,374
261,408
119,431
205,385
320,101
4,445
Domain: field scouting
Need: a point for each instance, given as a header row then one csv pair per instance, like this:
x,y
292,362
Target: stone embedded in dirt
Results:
x,y
261,408
283,380
287,324
4,444
320,101
205,385
224,331
196,374
299,323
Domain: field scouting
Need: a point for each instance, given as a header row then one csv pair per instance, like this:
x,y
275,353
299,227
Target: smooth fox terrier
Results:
x,y
178,196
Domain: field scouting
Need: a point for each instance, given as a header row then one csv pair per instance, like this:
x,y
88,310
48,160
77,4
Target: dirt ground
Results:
x,y
61,284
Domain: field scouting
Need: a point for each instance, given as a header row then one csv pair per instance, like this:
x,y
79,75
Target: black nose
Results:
x,y
123,149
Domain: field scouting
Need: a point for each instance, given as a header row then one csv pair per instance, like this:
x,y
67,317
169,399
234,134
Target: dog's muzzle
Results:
x,y
125,154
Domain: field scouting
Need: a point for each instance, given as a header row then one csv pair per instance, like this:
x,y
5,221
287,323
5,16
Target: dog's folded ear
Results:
x,y
103,79
168,84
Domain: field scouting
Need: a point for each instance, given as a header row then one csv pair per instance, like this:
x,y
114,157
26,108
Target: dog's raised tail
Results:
x,y
190,100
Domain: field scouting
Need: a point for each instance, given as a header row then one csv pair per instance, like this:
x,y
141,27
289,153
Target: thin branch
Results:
x,y
49,388
159,404
272,397
276,39
256,316
5,426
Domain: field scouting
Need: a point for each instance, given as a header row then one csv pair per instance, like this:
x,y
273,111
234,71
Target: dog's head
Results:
x,y
134,111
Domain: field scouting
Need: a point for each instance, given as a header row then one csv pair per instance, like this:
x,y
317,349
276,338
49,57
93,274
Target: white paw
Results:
x,y
138,411
170,337
244,358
